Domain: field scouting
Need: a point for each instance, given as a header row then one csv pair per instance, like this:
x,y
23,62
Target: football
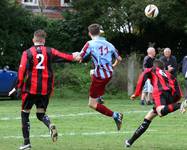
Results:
x,y
151,11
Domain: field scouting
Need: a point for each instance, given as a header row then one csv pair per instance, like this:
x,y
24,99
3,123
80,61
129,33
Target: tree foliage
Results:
x,y
16,30
123,21
127,27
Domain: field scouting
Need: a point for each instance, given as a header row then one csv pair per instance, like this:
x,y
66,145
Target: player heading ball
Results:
x,y
101,52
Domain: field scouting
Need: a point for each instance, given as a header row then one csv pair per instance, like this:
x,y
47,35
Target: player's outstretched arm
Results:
x,y
62,55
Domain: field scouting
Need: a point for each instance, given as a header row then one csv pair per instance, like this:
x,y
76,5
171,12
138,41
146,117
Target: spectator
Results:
x,y
184,71
148,63
170,62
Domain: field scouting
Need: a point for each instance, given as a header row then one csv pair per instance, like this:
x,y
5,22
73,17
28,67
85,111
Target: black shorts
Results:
x,y
28,100
165,98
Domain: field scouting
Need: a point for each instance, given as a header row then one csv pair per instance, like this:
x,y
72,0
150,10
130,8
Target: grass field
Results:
x,y
81,128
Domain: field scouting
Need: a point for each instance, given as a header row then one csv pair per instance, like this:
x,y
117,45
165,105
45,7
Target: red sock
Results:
x,y
104,110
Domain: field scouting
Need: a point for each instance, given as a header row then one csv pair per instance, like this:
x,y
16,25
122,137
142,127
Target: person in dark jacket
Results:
x,y
170,62
148,63
184,71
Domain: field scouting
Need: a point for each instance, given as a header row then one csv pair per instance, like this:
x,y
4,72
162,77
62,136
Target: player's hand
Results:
x,y
76,56
170,68
113,66
18,92
132,97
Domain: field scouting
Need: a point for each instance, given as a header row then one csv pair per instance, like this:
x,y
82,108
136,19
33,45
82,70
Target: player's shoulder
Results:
x,y
147,58
89,42
146,70
49,48
28,50
169,75
109,44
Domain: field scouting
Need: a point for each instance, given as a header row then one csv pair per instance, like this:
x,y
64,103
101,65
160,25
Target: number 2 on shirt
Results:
x,y
40,58
103,51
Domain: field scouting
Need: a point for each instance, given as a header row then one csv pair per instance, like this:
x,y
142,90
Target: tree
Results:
x,y
16,30
126,26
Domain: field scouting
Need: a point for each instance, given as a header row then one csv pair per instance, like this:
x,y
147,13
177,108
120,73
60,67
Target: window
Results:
x,y
65,2
30,2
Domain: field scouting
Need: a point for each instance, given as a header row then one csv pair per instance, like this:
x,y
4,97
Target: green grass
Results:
x,y
168,133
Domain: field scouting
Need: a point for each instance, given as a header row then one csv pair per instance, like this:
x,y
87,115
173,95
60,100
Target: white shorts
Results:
x,y
148,88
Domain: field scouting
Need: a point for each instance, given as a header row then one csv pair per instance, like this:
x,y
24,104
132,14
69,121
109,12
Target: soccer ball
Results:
x,y
151,11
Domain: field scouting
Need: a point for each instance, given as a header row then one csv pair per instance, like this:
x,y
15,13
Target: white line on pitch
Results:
x,y
68,115
76,134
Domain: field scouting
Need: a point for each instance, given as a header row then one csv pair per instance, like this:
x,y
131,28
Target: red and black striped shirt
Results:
x,y
35,74
161,81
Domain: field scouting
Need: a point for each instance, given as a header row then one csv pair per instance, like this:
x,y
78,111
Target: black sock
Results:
x,y
141,129
46,121
25,127
44,118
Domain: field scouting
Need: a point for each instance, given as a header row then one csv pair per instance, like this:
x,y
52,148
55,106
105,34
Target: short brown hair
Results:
x,y
94,29
39,35
158,63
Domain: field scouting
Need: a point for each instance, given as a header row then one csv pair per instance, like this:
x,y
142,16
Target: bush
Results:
x,y
73,76
181,80
76,77
121,80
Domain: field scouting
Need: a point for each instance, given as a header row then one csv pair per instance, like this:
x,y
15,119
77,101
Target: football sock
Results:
x,y
104,110
44,118
25,127
141,129
170,108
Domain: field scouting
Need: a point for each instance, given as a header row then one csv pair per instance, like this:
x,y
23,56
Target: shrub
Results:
x,y
181,80
76,77
73,76
121,80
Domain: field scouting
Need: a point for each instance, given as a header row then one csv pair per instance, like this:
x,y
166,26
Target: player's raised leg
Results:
x,y
106,111
41,104
163,110
46,120
142,128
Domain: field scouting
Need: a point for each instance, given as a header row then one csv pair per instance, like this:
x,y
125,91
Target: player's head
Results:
x,y
151,52
94,30
39,37
167,52
158,63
